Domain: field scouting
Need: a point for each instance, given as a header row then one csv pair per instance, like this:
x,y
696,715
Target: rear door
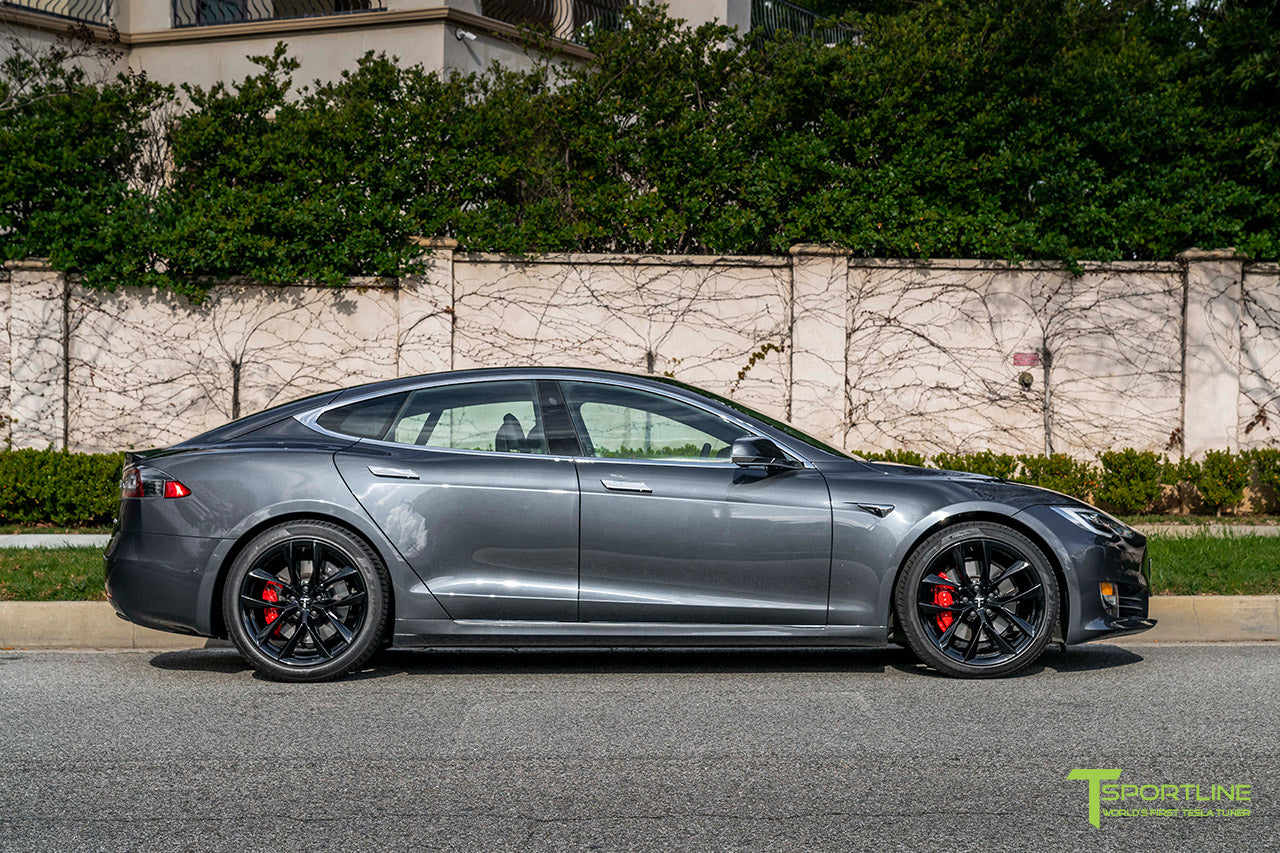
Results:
x,y
463,480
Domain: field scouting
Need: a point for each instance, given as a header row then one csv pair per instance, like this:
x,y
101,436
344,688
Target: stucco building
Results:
x,y
205,41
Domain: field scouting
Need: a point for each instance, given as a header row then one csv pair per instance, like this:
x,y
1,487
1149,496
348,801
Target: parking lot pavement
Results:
x,y
631,750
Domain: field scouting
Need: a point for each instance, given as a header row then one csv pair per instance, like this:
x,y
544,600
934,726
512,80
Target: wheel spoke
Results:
x,y
973,641
317,565
940,580
274,625
292,642
341,574
957,554
265,576
1000,641
353,598
343,631
984,568
1019,596
315,638
1020,566
1022,624
928,608
259,603
295,579
944,641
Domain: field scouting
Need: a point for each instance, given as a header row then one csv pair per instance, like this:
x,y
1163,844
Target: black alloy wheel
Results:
x,y
977,600
306,601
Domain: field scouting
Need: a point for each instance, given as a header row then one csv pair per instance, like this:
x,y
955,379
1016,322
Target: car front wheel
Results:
x,y
977,600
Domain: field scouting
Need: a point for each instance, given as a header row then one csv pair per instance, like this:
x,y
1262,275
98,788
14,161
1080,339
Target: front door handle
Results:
x,y
626,486
395,473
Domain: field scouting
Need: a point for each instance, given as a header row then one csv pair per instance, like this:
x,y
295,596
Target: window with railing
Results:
x,y
570,20
87,11
773,16
203,13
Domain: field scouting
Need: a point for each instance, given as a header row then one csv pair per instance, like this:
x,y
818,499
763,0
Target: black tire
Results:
x,y
325,625
977,600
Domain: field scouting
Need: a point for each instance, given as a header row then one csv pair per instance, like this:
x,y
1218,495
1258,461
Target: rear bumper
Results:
x,y
159,581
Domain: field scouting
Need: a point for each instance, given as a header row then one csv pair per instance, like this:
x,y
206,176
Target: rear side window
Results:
x,y
365,419
503,417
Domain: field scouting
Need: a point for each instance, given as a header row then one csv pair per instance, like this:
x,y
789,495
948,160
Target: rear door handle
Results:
x,y
395,473
626,486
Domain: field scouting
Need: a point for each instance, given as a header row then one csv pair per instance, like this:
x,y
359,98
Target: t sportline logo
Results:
x,y
1159,800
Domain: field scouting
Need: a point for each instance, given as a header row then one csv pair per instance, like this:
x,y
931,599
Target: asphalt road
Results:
x,y
621,750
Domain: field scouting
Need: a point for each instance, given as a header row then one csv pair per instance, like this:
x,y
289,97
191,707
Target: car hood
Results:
x,y
981,487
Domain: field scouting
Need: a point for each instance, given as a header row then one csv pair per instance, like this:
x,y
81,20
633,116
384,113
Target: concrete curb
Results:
x,y
94,624
54,540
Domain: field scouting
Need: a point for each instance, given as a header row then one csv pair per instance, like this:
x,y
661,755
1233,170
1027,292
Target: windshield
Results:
x,y
780,426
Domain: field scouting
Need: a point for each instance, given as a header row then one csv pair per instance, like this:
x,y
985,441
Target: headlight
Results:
x,y
1095,521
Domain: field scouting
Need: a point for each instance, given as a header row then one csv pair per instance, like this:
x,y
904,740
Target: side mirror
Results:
x,y
755,452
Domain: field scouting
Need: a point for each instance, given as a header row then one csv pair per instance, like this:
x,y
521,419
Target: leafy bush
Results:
x,y
985,129
1222,479
1000,465
1060,473
900,457
1266,473
55,487
1130,480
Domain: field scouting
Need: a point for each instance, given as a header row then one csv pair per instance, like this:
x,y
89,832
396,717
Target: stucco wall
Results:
x,y
869,354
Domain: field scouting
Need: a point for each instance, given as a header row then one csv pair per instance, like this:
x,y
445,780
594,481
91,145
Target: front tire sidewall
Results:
x,y
372,572
913,573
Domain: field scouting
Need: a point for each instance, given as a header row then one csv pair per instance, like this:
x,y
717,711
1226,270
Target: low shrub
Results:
x,y
1061,473
1222,479
901,457
56,487
1131,480
1266,476
1002,465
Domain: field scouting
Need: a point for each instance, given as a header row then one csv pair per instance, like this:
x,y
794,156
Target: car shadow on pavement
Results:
x,y
664,660
1083,658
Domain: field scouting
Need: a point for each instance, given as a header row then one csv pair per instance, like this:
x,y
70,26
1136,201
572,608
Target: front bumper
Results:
x,y
1088,560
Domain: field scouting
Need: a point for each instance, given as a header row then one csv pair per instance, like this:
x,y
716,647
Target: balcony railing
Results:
x,y
203,13
85,11
773,16
570,20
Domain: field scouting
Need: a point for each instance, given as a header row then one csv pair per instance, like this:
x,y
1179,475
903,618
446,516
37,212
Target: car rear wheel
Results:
x,y
306,601
977,600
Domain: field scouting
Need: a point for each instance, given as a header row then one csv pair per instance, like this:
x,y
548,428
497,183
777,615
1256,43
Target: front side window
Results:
x,y
626,423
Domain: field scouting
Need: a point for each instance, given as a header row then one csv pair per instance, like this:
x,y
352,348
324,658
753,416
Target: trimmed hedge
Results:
x,y
56,487
83,489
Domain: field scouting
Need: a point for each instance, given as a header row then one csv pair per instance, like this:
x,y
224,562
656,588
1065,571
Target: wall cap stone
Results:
x,y
820,249
434,242
40,264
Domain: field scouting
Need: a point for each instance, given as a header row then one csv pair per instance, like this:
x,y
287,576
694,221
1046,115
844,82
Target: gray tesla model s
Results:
x,y
530,506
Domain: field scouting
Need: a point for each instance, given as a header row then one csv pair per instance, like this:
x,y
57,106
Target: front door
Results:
x,y
673,531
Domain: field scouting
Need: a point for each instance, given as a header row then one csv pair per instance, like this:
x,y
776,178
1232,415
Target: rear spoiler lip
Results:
x,y
133,457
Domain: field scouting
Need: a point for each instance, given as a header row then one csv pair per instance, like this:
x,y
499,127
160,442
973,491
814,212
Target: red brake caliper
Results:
x,y
270,594
943,598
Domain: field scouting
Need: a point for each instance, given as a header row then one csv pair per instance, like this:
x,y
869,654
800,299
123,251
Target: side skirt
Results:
x,y
421,633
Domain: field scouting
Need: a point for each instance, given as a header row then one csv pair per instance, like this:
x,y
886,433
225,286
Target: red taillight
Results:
x,y
174,489
131,485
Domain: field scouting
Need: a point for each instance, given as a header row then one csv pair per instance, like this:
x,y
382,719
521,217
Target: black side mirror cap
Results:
x,y
752,451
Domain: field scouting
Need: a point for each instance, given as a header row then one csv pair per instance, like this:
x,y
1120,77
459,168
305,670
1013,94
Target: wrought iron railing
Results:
x,y
571,20
86,11
203,13
773,16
